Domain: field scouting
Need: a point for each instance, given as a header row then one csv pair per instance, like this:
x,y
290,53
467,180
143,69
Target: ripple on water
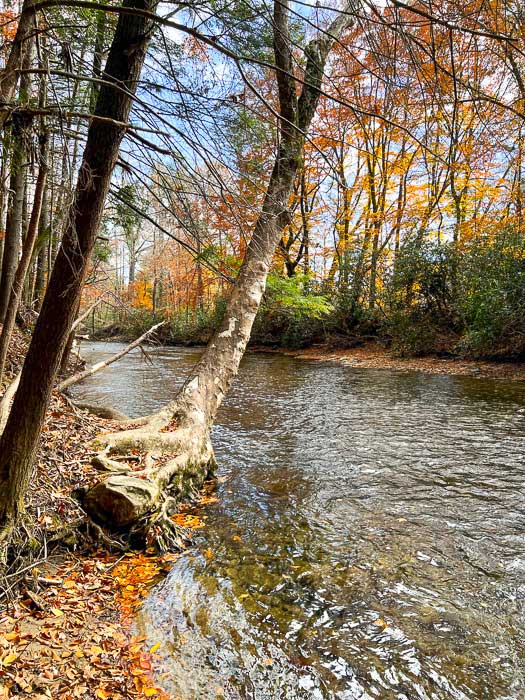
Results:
x,y
368,542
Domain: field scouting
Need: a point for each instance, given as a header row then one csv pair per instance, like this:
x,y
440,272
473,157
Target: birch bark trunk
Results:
x,y
177,438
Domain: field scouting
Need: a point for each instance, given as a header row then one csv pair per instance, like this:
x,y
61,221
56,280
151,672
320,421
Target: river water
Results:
x,y
368,542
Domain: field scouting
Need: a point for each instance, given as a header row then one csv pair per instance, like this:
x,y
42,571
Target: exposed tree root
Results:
x,y
141,496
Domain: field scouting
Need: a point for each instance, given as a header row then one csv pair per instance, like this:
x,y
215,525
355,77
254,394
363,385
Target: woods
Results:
x,y
342,177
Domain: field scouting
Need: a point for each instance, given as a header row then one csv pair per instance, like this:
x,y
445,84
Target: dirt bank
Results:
x,y
375,356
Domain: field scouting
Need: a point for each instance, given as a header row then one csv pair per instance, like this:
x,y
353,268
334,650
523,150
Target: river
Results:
x,y
368,542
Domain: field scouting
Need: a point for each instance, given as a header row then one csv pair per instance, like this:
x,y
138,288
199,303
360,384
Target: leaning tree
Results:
x,y
176,439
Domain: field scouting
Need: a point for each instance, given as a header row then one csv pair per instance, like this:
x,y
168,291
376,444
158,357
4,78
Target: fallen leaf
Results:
x,y
9,659
380,623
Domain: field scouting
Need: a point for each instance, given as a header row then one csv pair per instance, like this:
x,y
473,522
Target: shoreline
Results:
x,y
374,356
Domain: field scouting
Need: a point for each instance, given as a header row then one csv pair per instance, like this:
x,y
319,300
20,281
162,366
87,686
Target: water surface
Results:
x,y
368,542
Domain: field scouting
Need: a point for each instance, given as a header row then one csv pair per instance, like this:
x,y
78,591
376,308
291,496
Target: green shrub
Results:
x,y
491,301
292,313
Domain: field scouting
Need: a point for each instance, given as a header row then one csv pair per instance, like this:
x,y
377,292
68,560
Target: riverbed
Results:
x,y
368,541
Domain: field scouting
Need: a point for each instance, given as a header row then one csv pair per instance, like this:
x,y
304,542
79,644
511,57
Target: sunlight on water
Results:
x,y
368,542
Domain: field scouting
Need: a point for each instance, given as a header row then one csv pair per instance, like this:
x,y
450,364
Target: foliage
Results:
x,y
419,297
492,284
291,314
294,295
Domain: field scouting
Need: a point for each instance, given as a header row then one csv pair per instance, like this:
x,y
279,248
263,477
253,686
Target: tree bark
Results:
x,y
27,256
182,428
19,440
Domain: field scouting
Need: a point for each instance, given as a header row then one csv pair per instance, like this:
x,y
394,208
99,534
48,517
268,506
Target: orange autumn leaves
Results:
x,y
72,640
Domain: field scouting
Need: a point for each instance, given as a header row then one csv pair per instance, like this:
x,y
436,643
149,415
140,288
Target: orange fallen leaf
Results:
x,y
380,623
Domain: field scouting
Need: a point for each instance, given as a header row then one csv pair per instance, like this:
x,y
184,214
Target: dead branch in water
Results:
x,y
89,371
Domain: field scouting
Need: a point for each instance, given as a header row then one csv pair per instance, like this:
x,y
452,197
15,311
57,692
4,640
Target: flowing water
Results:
x,y
368,542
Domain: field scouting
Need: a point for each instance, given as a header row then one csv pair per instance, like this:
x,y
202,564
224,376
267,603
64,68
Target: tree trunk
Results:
x,y
19,440
21,45
21,135
43,238
182,428
27,256
4,189
13,232
64,360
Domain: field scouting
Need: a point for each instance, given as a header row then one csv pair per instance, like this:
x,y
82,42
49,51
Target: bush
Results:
x,y
491,302
292,313
419,299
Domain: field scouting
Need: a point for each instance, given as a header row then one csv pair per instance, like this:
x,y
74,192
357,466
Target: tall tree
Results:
x,y
20,438
194,409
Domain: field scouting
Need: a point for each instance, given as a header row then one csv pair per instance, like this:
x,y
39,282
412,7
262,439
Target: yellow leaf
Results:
x,y
9,659
154,648
57,612
149,692
96,651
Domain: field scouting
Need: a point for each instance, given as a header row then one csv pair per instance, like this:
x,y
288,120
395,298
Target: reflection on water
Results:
x,y
368,542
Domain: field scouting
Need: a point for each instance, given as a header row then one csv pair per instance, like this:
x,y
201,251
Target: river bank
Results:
x,y
68,592
375,356
68,596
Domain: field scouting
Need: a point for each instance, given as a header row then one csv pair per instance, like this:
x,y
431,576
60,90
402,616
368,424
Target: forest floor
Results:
x,y
68,598
375,356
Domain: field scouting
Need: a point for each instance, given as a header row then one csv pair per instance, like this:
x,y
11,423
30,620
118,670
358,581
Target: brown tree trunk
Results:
x,y
21,134
27,256
21,125
19,440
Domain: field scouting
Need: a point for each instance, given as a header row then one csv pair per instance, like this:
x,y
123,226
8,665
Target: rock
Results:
x,y
121,500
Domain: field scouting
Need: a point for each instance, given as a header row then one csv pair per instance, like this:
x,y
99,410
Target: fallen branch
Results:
x,y
86,313
7,398
89,371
